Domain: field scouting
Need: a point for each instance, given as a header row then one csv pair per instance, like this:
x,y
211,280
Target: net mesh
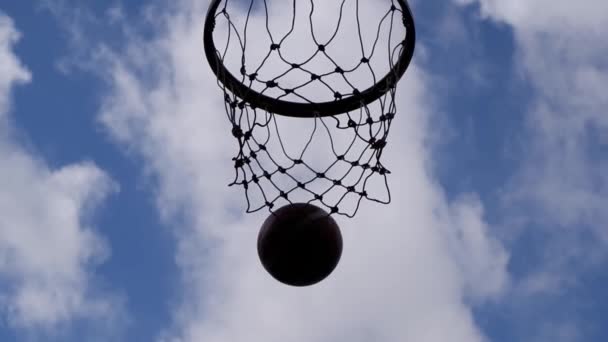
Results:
x,y
268,171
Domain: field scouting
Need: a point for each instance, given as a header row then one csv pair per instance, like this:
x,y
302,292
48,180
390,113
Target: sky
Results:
x,y
117,224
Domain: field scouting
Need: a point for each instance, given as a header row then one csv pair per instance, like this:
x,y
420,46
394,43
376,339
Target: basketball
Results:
x,y
300,244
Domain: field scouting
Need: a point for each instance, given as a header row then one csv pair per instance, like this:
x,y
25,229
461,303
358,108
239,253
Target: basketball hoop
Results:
x,y
252,110
321,82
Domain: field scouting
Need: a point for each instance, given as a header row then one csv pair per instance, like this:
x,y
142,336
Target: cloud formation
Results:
x,y
47,245
561,50
560,190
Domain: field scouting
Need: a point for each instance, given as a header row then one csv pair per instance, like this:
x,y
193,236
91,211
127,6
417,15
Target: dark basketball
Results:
x,y
300,244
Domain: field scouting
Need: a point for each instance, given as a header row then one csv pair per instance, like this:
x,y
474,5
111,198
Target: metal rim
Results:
x,y
308,110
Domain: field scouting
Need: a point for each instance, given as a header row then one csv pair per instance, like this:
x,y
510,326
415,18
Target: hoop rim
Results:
x,y
301,109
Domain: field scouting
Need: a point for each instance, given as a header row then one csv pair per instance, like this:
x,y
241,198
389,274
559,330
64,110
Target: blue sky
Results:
x,y
116,223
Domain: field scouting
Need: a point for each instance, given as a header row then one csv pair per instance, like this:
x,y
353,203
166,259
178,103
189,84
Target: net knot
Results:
x,y
237,132
379,144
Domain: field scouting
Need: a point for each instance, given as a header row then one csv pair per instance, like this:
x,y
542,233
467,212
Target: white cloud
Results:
x,y
547,16
561,50
10,68
407,269
560,191
47,245
478,253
